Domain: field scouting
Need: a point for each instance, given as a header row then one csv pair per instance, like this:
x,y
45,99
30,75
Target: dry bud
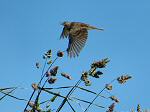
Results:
x,y
48,74
66,76
60,54
48,54
87,82
84,76
31,104
100,64
114,99
139,108
35,86
52,80
49,62
111,108
97,74
108,87
37,65
122,79
54,70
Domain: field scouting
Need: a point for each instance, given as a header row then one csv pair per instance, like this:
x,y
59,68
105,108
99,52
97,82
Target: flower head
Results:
x,y
122,79
48,74
37,65
60,54
111,108
66,76
84,76
108,87
31,104
48,54
96,74
114,98
52,80
100,64
54,70
87,82
35,86
139,108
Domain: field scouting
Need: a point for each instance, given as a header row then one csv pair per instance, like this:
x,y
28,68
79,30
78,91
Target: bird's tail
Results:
x,y
92,27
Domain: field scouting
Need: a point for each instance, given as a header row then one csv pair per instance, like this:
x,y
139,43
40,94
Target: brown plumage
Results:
x,y
77,33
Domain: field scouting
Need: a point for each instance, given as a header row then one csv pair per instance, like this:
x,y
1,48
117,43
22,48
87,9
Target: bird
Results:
x,y
77,33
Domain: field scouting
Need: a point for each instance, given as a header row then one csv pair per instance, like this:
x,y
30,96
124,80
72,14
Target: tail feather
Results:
x,y
92,27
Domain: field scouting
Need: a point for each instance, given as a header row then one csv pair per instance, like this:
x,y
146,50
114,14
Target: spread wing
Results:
x,y
65,33
77,40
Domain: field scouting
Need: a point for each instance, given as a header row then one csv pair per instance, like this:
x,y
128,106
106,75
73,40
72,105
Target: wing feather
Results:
x,y
77,40
65,33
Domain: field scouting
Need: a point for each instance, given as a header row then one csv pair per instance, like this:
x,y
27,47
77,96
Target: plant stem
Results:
x,y
70,92
43,75
97,96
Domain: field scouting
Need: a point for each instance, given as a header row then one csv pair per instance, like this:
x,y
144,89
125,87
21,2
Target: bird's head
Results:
x,y
66,23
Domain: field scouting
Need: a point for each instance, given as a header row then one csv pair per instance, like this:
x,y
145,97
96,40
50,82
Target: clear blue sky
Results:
x,y
30,27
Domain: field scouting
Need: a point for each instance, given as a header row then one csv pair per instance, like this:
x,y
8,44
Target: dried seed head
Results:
x,y
37,65
92,71
31,104
34,86
60,54
100,64
66,76
49,51
111,108
139,108
87,82
84,76
114,98
108,87
48,74
97,74
49,62
54,70
52,80
122,79
48,54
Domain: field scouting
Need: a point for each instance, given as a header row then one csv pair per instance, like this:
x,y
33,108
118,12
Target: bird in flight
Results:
x,y
77,34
